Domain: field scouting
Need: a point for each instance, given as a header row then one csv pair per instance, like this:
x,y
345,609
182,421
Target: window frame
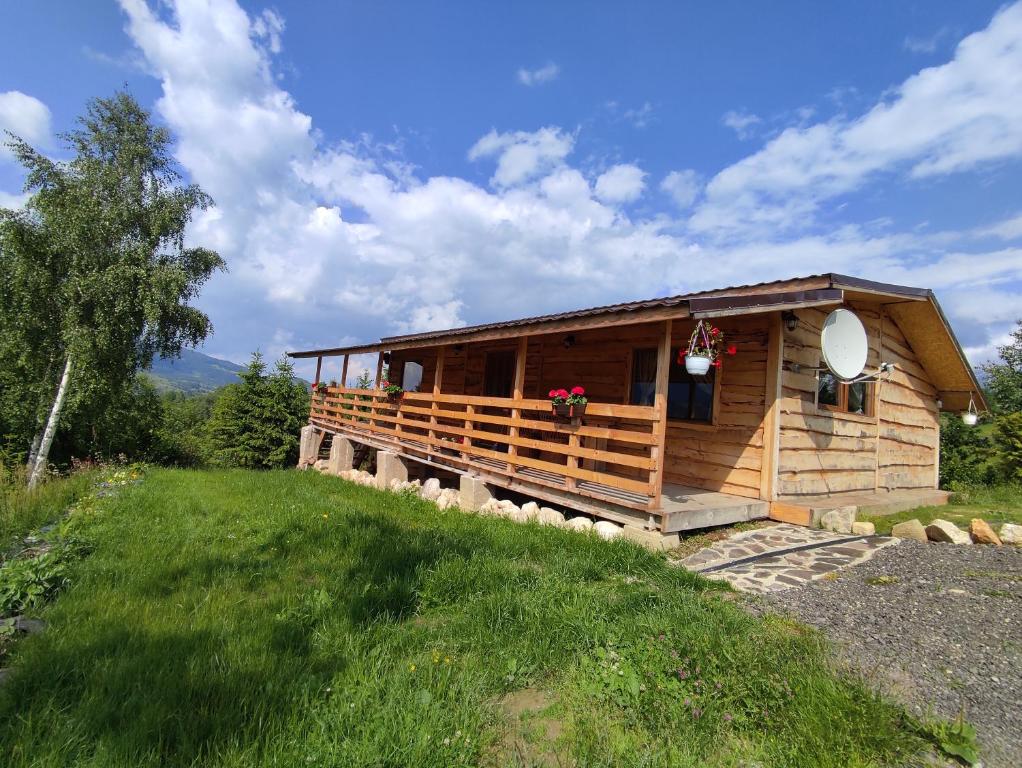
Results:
x,y
841,407
711,423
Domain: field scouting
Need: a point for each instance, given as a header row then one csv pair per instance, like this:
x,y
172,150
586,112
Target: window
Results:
x,y
689,398
835,395
499,373
411,376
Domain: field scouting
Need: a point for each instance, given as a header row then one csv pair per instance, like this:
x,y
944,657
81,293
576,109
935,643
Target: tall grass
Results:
x,y
22,510
284,618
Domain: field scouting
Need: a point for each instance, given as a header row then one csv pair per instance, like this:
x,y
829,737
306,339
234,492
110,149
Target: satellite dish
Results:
x,y
844,344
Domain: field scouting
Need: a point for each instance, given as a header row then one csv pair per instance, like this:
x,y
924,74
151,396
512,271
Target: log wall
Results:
x,y
825,452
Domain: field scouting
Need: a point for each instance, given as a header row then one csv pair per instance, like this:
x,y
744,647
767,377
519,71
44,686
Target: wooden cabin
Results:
x,y
771,428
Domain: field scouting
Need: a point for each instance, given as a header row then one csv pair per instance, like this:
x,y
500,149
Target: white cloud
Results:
x,y
621,184
341,242
1008,229
24,116
741,123
944,119
544,74
641,116
522,155
682,186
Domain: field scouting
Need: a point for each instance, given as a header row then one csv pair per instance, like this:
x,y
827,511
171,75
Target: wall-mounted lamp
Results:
x,y
569,341
790,320
386,358
457,348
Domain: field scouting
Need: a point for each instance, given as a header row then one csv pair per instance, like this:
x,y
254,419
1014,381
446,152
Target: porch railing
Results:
x,y
610,455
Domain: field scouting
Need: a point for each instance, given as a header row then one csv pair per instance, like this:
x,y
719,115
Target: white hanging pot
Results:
x,y
971,416
697,365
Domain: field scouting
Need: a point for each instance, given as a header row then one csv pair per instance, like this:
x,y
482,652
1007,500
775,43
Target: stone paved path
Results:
x,y
773,566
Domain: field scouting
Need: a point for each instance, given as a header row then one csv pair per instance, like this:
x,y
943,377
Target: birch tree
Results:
x,y
95,275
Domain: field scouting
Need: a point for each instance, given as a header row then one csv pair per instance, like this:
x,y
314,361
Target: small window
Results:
x,y
411,376
689,398
835,395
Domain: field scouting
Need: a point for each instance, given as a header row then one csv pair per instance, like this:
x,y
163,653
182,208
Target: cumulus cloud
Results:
x,y
544,74
331,242
522,155
24,116
682,186
621,184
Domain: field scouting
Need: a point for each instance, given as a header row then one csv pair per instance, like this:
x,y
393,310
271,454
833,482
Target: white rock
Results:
x,y
548,516
507,504
579,524
838,520
864,529
943,530
445,502
512,512
396,485
490,507
607,530
531,510
1010,533
430,489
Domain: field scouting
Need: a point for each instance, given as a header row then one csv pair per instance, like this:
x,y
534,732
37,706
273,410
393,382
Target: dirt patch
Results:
x,y
533,734
693,541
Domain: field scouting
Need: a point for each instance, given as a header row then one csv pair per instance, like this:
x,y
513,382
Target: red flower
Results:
x,y
577,391
717,363
553,393
562,393
385,384
732,350
715,331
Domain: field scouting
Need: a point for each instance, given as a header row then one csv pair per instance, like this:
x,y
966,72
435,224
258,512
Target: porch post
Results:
x,y
344,372
376,388
434,406
771,414
518,392
319,368
663,370
379,370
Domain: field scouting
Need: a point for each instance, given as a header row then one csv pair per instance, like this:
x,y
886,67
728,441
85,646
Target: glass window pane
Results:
x,y
858,395
678,399
643,377
411,377
702,408
827,389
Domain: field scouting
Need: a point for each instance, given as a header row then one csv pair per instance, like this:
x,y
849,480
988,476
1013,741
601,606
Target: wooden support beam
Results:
x,y
379,371
772,408
663,370
438,380
319,368
518,390
344,372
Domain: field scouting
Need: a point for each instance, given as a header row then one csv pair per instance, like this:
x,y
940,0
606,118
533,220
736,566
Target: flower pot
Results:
x,y
697,365
578,411
970,419
561,410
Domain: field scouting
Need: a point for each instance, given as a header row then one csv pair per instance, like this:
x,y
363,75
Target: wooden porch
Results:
x,y
609,461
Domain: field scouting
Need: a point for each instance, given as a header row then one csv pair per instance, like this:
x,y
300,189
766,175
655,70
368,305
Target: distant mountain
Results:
x,y
193,372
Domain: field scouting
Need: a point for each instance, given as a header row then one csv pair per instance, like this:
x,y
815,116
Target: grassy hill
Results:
x,y
193,372
284,618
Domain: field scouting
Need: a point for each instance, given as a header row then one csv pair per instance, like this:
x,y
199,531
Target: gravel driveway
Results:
x,y
939,625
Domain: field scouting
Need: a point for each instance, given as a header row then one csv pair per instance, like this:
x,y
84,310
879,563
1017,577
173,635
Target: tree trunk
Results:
x,y
42,457
34,449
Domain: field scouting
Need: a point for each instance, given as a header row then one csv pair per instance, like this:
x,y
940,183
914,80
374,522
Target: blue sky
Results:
x,y
390,167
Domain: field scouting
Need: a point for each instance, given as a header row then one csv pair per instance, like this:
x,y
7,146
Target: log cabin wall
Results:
x,y
725,456
824,452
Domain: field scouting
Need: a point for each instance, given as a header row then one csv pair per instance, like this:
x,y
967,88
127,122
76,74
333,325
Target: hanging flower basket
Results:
x,y
319,388
705,349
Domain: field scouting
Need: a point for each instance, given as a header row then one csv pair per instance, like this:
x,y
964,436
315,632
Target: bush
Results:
x,y
963,453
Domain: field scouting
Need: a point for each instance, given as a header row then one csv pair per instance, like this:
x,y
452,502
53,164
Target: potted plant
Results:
x,y
705,347
577,402
559,403
393,391
319,388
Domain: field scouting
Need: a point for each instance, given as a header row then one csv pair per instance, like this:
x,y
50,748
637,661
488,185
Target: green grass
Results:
x,y
995,504
285,619
22,511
